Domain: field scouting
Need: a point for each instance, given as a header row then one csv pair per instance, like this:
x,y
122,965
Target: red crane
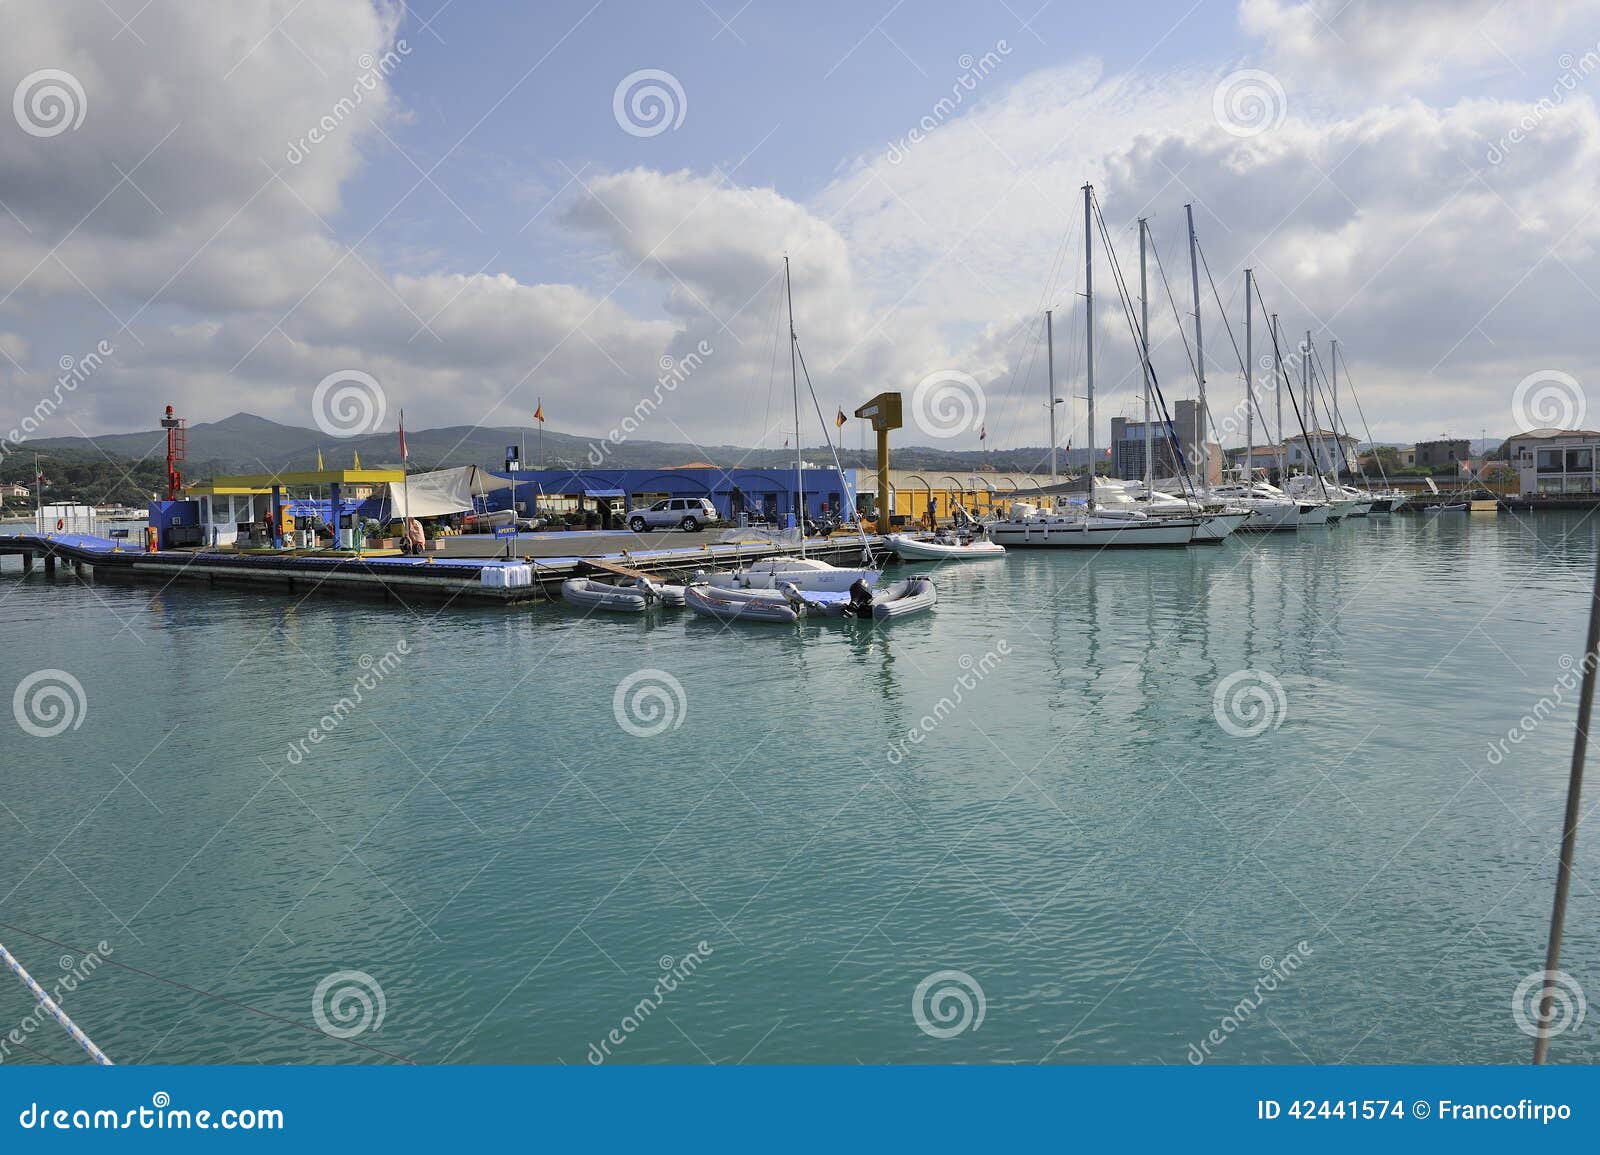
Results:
x,y
177,430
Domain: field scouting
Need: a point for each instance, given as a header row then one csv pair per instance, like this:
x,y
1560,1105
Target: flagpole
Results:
x,y
541,433
405,475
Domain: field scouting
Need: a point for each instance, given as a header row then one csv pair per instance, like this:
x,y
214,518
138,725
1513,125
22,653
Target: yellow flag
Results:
x,y
319,458
358,459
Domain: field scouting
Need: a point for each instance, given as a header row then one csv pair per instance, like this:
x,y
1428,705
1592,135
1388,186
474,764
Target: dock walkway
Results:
x,y
430,576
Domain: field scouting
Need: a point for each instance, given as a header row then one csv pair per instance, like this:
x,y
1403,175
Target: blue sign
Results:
x,y
506,531
878,1109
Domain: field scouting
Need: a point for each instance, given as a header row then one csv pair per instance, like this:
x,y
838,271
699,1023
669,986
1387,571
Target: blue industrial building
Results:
x,y
767,492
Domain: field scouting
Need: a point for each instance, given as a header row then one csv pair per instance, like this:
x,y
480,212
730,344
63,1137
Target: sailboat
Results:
x,y
1220,515
1219,518
1070,525
804,573
1345,501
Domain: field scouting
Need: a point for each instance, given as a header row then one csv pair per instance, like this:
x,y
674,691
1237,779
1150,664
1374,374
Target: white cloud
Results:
x,y
1389,46
1448,278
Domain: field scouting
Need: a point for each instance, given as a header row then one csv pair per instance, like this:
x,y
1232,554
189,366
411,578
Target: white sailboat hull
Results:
x,y
1270,515
802,573
1094,533
1220,526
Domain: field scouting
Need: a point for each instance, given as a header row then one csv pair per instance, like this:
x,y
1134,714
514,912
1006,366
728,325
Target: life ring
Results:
x,y
61,524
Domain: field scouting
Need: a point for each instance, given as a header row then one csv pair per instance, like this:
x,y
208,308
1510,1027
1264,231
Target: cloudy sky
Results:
x,y
466,209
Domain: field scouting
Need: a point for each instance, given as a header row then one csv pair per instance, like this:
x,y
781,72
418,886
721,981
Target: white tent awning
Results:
x,y
441,492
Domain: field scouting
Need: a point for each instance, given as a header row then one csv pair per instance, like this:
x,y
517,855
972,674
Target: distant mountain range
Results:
x,y
245,443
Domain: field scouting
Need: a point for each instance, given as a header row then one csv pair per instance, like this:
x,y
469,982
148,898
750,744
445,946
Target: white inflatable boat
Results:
x,y
601,596
729,605
901,599
943,548
896,600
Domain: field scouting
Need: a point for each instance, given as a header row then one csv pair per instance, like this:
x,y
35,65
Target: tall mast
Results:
x,y
1204,416
1050,363
1277,387
1333,370
1144,361
794,379
1088,322
1311,412
1249,382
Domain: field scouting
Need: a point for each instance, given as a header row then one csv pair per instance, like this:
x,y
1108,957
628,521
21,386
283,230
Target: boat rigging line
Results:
x,y
1030,333
1323,389
1227,325
1280,377
1569,826
866,546
52,1009
1141,345
799,454
1365,428
183,986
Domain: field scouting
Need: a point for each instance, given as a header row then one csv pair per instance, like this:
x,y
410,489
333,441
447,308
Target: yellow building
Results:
x,y
978,491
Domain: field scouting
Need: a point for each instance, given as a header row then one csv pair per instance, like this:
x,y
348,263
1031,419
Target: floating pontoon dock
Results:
x,y
402,578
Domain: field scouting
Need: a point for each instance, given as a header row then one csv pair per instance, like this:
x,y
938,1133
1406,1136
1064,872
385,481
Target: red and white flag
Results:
x,y
402,435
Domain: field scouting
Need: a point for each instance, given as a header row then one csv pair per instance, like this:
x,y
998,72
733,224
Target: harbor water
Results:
x,y
1290,799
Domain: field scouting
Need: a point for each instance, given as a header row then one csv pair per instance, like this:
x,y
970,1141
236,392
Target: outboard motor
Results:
x,y
793,596
860,599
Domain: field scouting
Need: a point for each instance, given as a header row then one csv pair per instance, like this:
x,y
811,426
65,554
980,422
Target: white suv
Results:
x,y
688,513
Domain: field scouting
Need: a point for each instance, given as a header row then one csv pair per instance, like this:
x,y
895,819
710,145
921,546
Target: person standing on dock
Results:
x,y
415,542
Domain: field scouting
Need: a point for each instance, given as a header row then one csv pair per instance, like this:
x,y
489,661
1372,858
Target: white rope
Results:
x,y
55,1011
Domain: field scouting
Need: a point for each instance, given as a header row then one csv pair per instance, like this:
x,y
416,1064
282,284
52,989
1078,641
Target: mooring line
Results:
x,y
55,1012
224,999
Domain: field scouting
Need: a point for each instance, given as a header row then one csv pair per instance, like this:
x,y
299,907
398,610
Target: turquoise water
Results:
x,y
1074,830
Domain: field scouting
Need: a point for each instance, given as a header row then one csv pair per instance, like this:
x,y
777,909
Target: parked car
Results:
x,y
687,513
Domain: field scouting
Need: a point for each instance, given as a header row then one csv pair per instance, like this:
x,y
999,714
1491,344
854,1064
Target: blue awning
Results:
x,y
575,486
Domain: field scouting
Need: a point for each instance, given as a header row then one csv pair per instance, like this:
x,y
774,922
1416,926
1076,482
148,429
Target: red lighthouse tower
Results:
x,y
176,429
